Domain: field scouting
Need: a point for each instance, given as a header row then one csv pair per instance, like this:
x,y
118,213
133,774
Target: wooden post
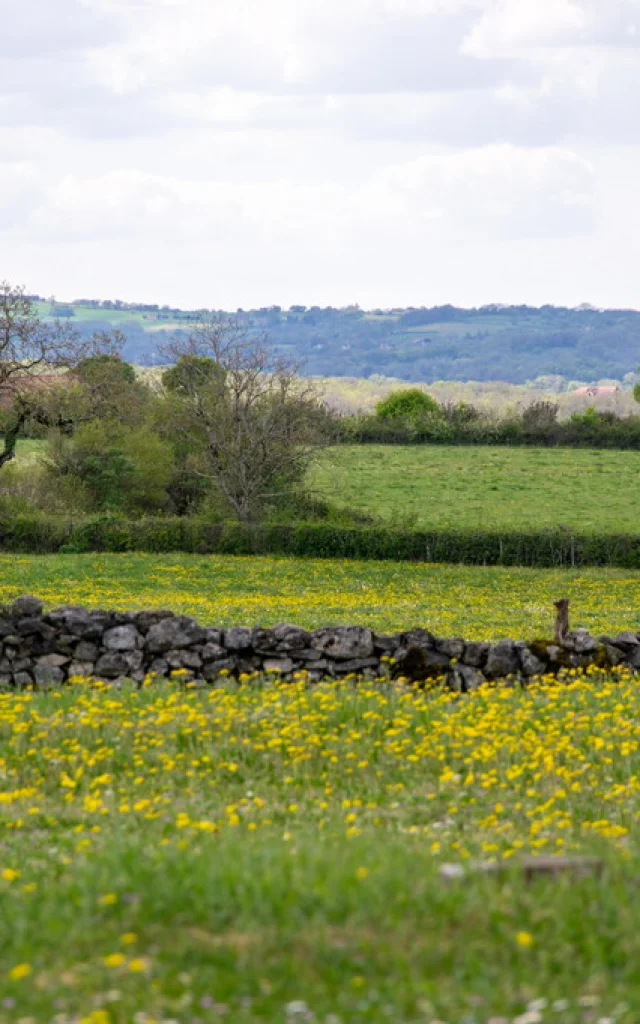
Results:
x,y
562,619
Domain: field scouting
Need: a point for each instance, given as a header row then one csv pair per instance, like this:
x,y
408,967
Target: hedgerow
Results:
x,y
40,534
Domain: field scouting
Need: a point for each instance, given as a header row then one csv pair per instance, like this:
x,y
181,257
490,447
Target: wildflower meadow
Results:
x,y
270,852
476,602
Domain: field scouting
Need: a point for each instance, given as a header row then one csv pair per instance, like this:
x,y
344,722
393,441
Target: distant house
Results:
x,y
596,392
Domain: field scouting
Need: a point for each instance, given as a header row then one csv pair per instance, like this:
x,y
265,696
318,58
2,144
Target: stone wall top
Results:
x,y
47,648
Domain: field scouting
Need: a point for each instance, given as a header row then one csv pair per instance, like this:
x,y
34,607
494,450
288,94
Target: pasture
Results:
x,y
471,601
484,487
273,854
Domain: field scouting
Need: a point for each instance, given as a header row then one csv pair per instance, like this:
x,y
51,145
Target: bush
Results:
x,y
411,405
118,467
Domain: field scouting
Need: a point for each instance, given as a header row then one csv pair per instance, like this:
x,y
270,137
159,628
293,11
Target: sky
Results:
x,y
242,153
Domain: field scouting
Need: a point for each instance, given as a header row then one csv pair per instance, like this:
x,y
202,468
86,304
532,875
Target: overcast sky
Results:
x,y
388,152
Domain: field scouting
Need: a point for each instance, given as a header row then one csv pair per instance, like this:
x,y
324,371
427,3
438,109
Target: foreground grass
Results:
x,y
272,854
482,487
470,601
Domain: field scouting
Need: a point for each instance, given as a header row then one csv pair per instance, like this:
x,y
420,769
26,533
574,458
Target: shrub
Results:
x,y
411,405
119,468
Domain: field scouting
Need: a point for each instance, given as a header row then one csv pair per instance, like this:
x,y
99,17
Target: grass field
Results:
x,y
469,601
486,487
273,855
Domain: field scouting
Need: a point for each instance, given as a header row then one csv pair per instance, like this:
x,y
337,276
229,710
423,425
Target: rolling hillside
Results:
x,y
550,345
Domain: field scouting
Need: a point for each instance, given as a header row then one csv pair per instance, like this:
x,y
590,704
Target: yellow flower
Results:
x,y
114,960
362,873
10,874
138,964
524,939
20,971
108,899
128,938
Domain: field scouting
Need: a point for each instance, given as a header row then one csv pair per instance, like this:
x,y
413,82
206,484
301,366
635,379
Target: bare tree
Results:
x,y
254,422
33,354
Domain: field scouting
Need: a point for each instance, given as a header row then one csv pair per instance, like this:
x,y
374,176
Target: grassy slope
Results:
x,y
483,487
486,487
273,855
475,602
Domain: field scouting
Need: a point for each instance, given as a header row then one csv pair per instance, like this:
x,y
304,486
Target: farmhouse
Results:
x,y
598,392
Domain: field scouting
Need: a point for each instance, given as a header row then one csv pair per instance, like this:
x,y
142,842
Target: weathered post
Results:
x,y
562,619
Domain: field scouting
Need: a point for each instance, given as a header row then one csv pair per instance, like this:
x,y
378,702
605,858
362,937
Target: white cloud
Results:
x,y
260,138
20,190
508,191
509,26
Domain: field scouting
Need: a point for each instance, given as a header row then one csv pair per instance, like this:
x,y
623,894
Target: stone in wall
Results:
x,y
45,649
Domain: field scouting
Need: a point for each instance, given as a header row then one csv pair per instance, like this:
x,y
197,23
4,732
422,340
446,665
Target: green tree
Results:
x,y
118,467
410,405
110,389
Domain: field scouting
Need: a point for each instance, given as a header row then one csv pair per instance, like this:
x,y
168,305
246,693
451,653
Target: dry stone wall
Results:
x,y
47,649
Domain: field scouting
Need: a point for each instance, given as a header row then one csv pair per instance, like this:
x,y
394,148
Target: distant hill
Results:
x,y
517,344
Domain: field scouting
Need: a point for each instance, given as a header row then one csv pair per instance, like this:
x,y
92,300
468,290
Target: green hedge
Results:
x,y
544,548
590,429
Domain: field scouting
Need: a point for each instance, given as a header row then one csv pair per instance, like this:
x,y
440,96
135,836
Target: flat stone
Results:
x,y
580,641
627,639
452,648
291,638
47,675
475,654
419,664
614,655
213,669
502,660
53,661
183,659
238,638
283,666
632,657
344,643
27,607
530,868
122,638
133,659
386,643
81,669
356,665
168,635
86,651
159,667
531,665
417,638
211,651
79,622
112,665
464,679
35,627
145,620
